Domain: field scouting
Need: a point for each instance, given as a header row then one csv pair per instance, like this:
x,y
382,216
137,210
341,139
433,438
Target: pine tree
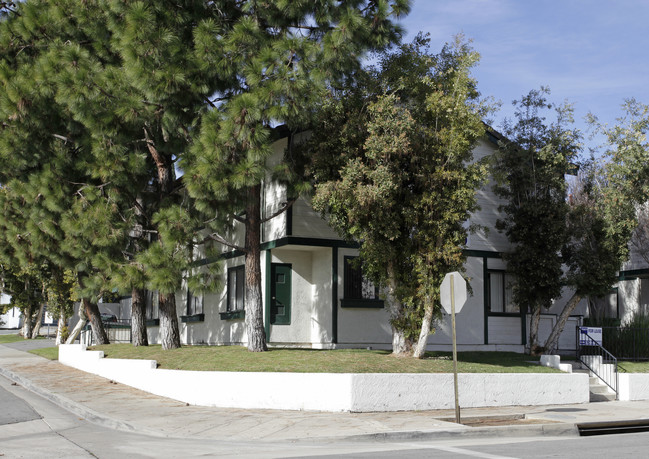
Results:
x,y
275,58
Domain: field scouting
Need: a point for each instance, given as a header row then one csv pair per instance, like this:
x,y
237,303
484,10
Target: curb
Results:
x,y
74,407
553,430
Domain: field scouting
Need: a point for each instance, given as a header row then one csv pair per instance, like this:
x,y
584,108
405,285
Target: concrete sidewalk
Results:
x,y
121,407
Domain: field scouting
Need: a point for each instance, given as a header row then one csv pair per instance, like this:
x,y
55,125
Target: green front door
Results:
x,y
280,294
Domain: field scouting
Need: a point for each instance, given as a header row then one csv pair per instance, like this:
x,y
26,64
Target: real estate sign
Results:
x,y
590,336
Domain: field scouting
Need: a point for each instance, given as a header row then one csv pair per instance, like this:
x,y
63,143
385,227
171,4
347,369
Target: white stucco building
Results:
x,y
12,317
314,299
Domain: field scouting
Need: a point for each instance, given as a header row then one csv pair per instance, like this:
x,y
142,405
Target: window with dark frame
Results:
x,y
194,303
236,289
501,298
356,286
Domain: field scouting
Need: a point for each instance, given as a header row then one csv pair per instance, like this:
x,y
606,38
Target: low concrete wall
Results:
x,y
333,391
633,386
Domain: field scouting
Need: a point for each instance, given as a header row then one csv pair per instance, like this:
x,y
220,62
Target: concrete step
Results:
x,y
600,389
599,392
610,397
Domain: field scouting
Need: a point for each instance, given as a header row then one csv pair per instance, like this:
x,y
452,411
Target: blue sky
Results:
x,y
592,53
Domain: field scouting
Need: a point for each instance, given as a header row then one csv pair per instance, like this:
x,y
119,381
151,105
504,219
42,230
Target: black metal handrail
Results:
x,y
598,360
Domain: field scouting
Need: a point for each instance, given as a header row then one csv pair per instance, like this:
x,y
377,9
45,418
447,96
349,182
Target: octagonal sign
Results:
x,y
459,291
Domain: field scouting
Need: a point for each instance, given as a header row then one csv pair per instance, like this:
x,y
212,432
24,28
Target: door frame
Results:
x,y
273,286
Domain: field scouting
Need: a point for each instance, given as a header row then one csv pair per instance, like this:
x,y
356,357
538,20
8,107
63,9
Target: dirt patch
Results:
x,y
490,421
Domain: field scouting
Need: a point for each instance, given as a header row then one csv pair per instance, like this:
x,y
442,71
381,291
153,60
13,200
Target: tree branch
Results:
x,y
238,218
283,208
216,237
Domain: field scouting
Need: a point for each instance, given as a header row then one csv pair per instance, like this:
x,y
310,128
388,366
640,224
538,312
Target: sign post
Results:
x,y
453,295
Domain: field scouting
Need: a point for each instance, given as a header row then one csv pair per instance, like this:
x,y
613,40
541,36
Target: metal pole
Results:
x,y
457,403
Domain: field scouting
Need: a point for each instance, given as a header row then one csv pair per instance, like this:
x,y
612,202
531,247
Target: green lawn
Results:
x,y
51,353
633,367
236,358
10,338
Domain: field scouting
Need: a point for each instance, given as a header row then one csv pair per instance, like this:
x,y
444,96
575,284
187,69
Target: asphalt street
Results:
x,y
15,409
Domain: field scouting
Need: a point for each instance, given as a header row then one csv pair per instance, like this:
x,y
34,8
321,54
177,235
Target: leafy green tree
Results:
x,y
529,168
276,59
400,179
593,253
607,205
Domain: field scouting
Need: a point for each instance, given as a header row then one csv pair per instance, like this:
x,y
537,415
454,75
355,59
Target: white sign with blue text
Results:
x,y
590,336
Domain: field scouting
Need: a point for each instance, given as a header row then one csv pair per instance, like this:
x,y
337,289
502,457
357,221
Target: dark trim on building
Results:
x,y
152,322
288,240
269,259
316,242
308,241
632,274
361,303
289,221
334,295
523,327
482,253
193,318
485,299
233,315
223,256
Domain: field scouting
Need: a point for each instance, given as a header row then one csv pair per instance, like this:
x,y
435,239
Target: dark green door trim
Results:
x,y
334,295
269,258
485,290
280,293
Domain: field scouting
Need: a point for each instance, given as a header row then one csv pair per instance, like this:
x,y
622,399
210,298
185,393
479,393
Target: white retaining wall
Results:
x,y
633,386
332,391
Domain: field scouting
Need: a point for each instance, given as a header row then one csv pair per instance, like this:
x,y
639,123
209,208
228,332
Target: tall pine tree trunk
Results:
x,y
534,330
552,343
169,321
167,302
254,304
400,345
92,312
138,318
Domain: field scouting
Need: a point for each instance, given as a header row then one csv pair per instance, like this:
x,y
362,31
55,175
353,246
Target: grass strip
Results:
x,y
633,367
4,339
51,353
237,358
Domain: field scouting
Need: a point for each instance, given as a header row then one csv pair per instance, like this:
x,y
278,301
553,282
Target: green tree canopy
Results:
x,y
399,178
529,168
278,57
